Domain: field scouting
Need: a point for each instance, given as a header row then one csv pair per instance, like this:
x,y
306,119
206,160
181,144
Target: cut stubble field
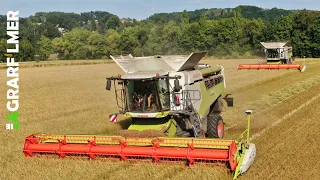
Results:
x,y
73,100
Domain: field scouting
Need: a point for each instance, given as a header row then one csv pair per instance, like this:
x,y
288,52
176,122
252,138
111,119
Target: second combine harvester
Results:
x,y
278,55
175,105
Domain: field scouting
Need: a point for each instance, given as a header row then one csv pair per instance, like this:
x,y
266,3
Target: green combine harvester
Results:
x,y
278,55
175,105
278,52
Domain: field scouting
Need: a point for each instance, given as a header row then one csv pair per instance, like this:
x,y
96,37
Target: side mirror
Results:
x,y
177,86
229,100
108,85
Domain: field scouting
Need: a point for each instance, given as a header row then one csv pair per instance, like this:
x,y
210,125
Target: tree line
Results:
x,y
234,33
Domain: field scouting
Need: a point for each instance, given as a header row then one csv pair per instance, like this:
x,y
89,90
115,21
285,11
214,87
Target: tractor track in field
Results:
x,y
279,112
271,84
284,117
265,95
289,149
303,85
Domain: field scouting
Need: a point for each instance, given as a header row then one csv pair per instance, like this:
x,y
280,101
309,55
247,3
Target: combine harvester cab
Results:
x,y
175,106
278,55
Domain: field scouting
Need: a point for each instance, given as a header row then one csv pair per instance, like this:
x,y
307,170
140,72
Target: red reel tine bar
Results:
x,y
270,66
156,149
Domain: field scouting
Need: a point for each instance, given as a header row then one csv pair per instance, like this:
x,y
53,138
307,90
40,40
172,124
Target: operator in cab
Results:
x,y
144,90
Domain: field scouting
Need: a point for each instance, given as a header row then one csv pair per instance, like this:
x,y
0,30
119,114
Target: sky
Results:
x,y
141,9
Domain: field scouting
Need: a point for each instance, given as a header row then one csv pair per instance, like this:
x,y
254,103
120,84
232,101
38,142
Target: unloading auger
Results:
x,y
175,106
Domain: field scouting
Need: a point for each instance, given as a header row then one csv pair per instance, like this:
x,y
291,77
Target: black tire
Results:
x,y
215,127
181,129
182,133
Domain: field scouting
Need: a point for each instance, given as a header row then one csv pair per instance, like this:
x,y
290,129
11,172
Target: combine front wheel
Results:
x,y
215,127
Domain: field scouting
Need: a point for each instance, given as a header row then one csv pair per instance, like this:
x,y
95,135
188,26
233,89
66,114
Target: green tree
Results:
x,y
315,37
237,12
142,37
113,22
230,32
112,39
48,29
190,38
211,32
128,41
203,19
3,26
303,32
252,31
185,17
62,47
171,37
97,46
44,47
93,25
26,51
73,45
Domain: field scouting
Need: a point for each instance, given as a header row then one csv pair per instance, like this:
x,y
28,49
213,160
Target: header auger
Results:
x,y
175,105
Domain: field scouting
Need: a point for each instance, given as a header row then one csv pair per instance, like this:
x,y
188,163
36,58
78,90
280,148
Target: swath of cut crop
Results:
x,y
285,117
290,149
271,100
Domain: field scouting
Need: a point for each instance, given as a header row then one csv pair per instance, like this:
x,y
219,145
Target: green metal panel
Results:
x,y
274,61
157,115
149,124
127,115
171,132
241,151
209,96
210,70
162,114
168,126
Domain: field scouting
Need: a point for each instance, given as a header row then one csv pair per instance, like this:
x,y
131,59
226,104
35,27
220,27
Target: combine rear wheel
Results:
x,y
215,127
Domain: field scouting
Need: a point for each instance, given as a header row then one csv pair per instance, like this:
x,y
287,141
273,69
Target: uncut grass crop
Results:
x,y
73,100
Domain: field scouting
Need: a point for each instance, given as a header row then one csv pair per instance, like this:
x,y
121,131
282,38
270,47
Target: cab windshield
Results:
x,y
272,53
148,95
